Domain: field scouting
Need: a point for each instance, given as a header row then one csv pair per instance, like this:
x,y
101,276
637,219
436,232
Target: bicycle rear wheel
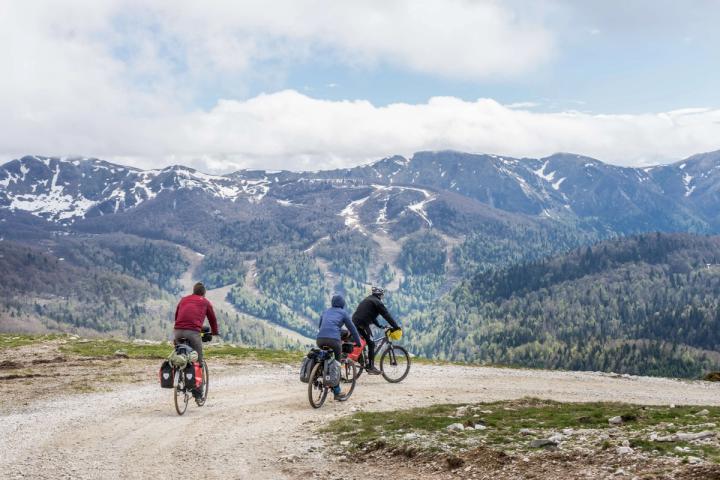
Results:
x,y
181,395
348,379
395,364
206,385
317,391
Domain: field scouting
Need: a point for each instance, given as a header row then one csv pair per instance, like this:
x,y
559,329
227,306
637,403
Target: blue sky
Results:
x,y
607,58
301,84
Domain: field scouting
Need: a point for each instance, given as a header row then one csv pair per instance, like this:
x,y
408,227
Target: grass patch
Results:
x,y
107,348
13,340
504,421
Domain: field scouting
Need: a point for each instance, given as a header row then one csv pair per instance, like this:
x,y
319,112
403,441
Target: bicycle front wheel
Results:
x,y
348,378
395,364
205,386
182,396
317,391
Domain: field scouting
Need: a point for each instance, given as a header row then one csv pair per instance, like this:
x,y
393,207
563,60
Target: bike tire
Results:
x,y
398,355
180,395
206,385
317,387
349,375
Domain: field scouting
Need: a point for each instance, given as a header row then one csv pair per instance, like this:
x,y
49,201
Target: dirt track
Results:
x,y
257,422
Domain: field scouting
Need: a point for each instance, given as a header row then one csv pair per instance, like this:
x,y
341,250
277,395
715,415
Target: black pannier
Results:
x,y
307,365
189,373
167,375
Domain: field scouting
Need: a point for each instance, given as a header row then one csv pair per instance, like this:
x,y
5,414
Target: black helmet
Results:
x,y
378,291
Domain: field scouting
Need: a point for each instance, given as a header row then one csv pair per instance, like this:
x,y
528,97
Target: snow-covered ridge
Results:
x,y
68,189
65,190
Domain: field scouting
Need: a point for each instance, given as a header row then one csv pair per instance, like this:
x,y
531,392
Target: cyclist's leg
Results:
x,y
367,336
195,342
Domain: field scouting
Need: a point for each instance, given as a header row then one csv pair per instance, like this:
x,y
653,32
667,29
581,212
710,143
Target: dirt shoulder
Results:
x,y
97,418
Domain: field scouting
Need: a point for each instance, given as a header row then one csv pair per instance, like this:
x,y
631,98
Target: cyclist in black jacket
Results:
x,y
365,315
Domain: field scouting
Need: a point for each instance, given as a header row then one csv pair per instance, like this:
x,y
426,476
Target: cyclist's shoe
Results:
x,y
373,371
197,393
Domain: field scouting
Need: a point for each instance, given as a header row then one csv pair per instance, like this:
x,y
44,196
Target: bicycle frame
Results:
x,y
382,343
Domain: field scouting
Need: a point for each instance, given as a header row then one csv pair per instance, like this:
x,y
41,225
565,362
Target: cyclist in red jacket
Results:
x,y
190,316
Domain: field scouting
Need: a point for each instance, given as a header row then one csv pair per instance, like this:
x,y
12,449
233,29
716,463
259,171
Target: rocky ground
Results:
x,y
533,438
64,415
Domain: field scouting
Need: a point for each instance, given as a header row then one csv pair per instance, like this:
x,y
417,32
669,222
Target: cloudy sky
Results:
x,y
309,84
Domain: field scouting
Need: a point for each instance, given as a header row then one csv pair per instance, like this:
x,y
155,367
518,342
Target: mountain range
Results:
x,y
566,187
275,244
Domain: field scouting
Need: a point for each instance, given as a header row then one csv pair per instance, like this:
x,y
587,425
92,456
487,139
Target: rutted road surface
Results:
x,y
257,423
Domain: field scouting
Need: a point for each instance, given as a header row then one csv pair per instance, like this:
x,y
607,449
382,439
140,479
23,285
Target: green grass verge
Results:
x,y
13,340
505,419
107,348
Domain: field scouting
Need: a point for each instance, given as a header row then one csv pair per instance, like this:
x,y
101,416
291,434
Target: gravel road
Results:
x,y
257,423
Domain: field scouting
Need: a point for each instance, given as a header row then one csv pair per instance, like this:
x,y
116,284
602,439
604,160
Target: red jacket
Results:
x,y
191,311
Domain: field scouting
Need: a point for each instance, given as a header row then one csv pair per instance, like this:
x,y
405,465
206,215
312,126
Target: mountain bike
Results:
x,y
318,390
182,391
394,359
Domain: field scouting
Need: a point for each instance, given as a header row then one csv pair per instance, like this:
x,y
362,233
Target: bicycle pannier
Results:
x,y
198,374
331,373
307,365
189,373
167,375
355,354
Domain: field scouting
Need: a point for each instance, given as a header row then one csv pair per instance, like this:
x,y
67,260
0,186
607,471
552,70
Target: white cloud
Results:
x,y
120,80
290,130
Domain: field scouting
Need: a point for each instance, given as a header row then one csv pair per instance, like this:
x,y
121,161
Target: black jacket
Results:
x,y
368,311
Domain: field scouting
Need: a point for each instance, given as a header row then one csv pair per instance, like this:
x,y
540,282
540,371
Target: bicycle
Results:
x,y
394,360
318,390
183,392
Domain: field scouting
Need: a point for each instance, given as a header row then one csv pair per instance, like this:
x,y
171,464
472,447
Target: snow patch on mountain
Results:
x,y
351,215
540,172
689,189
419,207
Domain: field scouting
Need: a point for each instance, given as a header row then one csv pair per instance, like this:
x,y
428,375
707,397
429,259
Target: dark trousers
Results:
x,y
334,344
366,334
193,339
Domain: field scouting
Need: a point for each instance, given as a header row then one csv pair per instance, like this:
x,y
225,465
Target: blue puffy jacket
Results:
x,y
334,318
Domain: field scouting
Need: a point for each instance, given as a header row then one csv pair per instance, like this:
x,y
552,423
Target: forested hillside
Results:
x,y
40,290
645,305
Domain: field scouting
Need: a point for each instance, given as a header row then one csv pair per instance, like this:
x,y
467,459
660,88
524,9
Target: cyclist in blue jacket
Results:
x,y
331,323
